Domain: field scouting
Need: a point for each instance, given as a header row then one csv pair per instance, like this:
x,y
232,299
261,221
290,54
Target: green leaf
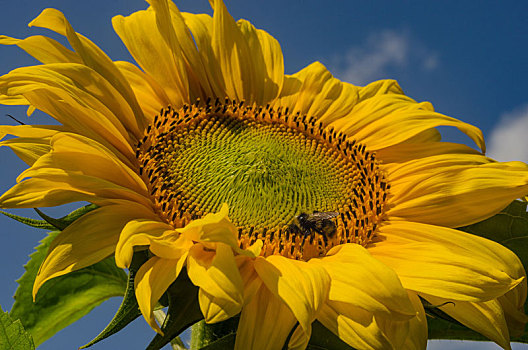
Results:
x,y
12,334
65,299
509,228
129,309
322,338
204,335
225,343
183,311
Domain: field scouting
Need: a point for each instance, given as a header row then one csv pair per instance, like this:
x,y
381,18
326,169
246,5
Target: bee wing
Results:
x,y
325,215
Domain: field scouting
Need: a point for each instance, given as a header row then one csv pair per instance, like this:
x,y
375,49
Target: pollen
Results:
x,y
269,166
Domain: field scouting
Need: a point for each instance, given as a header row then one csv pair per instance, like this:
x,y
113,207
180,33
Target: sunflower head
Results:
x,y
269,166
292,195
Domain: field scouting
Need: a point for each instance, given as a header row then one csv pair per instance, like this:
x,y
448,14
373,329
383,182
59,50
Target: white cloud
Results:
x,y
509,139
381,52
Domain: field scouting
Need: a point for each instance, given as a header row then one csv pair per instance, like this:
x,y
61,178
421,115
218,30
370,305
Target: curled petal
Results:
x,y
217,275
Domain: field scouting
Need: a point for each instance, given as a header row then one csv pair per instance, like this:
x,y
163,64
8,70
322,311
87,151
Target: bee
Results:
x,y
320,222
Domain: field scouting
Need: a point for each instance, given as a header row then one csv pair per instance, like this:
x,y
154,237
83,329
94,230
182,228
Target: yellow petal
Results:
x,y
231,50
266,56
28,149
468,245
386,120
258,326
56,187
303,287
362,281
96,59
455,189
77,154
395,157
249,276
213,228
42,48
87,240
77,97
410,334
441,270
487,317
173,28
143,39
315,92
152,280
146,89
31,131
380,87
514,314
201,27
217,275
355,326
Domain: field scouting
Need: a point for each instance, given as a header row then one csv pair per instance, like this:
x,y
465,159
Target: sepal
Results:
x,y
128,310
183,311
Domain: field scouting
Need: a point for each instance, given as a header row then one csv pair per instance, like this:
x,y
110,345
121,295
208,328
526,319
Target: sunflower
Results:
x,y
287,198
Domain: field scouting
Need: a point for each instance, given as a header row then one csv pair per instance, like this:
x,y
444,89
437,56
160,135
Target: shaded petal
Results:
x,y
355,326
232,52
363,281
249,276
265,323
513,309
417,326
201,26
386,120
96,59
441,270
303,287
178,37
454,189
217,275
42,48
33,140
266,56
410,334
143,39
31,131
150,94
487,317
152,280
78,154
88,240
56,187
468,244
76,96
313,91
380,87
395,157
28,149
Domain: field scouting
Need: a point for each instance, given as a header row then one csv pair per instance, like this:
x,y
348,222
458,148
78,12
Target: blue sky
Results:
x,y
468,58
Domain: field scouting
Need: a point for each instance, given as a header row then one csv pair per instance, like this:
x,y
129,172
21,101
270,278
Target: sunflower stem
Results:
x,y
176,343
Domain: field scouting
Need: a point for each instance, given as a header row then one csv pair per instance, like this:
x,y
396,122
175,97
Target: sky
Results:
x,y
468,58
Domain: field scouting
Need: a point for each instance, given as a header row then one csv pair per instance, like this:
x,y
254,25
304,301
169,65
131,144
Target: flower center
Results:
x,y
297,186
